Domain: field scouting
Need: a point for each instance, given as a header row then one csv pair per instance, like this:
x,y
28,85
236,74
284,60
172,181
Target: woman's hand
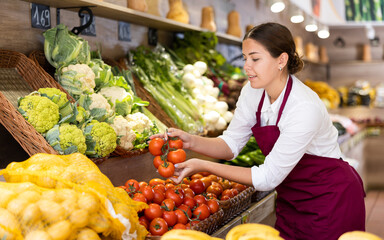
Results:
x,y
173,132
187,168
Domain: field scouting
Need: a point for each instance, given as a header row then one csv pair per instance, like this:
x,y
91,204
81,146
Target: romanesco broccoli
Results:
x,y
39,111
100,139
66,139
60,98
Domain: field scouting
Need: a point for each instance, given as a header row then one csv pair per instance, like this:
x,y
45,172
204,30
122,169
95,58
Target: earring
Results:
x,y
280,68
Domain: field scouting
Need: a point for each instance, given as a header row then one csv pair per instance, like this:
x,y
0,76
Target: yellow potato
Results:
x,y
69,206
60,230
30,195
52,212
99,222
9,222
37,235
66,194
87,234
49,195
5,197
17,205
79,218
31,215
88,202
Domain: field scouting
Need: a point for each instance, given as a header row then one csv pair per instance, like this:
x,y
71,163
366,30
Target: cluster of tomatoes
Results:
x,y
167,154
183,205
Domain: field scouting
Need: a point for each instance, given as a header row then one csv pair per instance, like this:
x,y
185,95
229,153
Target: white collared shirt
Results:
x,y
305,127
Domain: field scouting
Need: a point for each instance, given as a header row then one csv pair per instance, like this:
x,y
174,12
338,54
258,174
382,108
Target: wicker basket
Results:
x,y
236,205
23,132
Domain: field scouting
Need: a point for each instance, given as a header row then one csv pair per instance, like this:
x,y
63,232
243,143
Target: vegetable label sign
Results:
x,y
40,16
124,31
91,30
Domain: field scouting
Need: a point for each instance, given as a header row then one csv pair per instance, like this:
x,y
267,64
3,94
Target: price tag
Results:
x,y
91,30
124,31
40,16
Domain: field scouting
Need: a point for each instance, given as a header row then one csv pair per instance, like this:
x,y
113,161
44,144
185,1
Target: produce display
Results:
x,y
327,94
63,197
180,206
106,115
250,156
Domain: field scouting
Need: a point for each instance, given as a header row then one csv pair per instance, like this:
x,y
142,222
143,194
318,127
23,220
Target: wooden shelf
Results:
x,y
119,13
357,62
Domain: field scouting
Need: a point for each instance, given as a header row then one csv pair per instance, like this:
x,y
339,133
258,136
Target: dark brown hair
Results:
x,y
277,39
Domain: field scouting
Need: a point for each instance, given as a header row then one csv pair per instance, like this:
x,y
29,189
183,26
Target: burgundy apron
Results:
x,y
321,198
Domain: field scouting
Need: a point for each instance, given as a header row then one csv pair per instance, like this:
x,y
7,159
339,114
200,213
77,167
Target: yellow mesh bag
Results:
x,y
76,171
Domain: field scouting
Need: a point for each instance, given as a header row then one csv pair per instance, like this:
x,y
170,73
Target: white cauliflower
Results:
x,y
84,74
126,136
114,93
139,122
99,101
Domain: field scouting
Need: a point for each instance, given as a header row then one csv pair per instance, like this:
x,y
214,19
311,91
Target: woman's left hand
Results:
x,y
187,168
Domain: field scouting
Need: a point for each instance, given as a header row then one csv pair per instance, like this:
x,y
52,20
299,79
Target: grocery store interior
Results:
x,y
160,64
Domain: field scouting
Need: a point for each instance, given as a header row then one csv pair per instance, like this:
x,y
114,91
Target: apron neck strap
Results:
x,y
286,94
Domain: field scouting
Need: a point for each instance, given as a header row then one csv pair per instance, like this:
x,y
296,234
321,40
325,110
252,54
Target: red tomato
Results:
x,y
200,199
148,193
139,197
155,146
213,205
177,156
214,189
167,181
186,209
142,184
196,176
168,204
228,192
189,192
205,174
144,221
186,181
169,186
157,161
225,184
181,216
176,196
224,198
210,196
207,181
179,226
197,186
190,202
159,187
158,227
132,185
153,211
123,187
202,211
156,181
175,143
213,177
170,217
234,191
239,187
158,196
166,169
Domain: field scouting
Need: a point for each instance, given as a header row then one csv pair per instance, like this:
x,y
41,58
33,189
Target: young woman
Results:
x,y
319,196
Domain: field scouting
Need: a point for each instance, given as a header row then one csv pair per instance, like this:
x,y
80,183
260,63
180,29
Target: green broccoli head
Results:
x,y
100,139
39,111
82,115
66,139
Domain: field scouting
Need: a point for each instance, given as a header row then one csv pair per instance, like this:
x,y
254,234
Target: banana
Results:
x,y
180,234
242,229
359,235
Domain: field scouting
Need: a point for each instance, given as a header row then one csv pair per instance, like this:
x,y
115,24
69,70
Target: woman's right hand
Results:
x,y
173,132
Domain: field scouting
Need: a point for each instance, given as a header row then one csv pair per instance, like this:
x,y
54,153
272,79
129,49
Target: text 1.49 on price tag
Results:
x,y
40,16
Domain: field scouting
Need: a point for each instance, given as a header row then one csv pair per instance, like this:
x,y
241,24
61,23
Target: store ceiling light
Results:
x,y
276,5
297,15
323,32
311,25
